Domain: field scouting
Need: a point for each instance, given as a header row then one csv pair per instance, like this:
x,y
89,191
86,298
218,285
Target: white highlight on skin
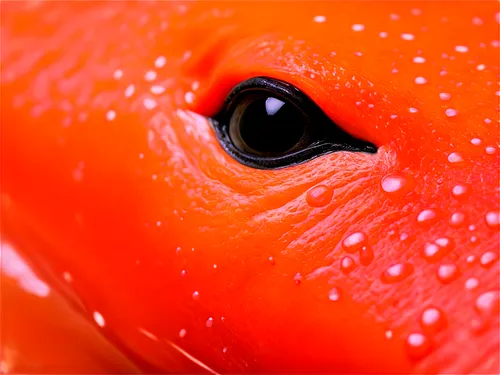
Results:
x,y
192,358
99,319
14,267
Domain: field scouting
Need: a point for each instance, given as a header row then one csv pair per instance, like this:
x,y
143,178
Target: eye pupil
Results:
x,y
264,125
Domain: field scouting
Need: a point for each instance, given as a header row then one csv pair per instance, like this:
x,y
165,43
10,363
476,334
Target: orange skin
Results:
x,y
197,263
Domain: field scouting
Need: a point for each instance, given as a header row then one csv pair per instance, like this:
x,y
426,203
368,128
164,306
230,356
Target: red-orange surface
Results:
x,y
131,217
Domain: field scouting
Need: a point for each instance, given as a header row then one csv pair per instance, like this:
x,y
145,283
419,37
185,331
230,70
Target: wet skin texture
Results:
x,y
122,200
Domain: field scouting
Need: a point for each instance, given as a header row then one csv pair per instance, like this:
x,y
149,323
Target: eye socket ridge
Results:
x,y
267,123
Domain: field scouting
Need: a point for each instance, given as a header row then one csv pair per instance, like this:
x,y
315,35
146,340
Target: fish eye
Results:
x,y
266,123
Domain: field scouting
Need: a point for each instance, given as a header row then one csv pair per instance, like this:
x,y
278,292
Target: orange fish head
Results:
x,y
131,138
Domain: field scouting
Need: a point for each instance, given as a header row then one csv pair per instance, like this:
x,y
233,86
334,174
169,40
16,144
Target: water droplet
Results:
x,y
183,273
407,36
118,74
129,91
182,333
319,19
419,60
488,302
99,319
388,334
150,76
210,322
492,219
488,258
413,110
434,252
490,150
224,350
366,255
357,27
420,80
457,219
354,242
472,227
450,112
157,89
471,283
160,62
396,273
475,141
455,158
417,345
347,264
427,216
446,273
334,294
397,184
319,196
433,320
297,278
271,260
473,240
444,96
461,49
189,97
196,295
470,259
460,191
149,103
110,115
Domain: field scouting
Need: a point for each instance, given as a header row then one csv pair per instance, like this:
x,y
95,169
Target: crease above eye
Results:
x,y
269,124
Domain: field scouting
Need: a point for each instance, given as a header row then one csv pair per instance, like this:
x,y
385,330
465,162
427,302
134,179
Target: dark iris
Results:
x,y
265,125
268,124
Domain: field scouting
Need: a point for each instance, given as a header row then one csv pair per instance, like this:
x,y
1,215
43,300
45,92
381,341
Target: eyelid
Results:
x,y
335,138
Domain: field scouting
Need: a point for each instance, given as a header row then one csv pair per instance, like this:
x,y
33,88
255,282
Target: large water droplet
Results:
x,y
455,158
433,320
417,345
347,264
210,322
457,219
488,258
397,184
434,252
354,242
446,273
366,255
334,294
488,302
427,217
396,273
319,196
460,191
492,219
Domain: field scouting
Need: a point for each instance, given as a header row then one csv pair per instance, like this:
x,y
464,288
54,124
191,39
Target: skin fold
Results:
x,y
131,242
